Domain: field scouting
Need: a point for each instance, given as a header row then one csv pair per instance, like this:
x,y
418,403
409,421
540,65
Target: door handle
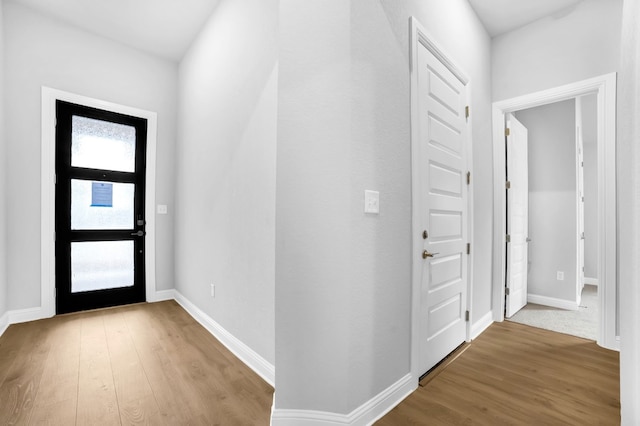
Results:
x,y
138,234
426,254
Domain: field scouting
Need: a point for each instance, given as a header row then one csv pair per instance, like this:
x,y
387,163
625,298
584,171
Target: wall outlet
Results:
x,y
213,291
560,276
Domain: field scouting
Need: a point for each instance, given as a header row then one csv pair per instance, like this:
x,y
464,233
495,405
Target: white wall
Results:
x,y
343,282
628,161
3,168
590,139
43,51
552,199
225,171
580,43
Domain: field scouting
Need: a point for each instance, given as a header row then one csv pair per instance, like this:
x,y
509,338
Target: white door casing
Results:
x,y
47,250
518,215
440,207
605,88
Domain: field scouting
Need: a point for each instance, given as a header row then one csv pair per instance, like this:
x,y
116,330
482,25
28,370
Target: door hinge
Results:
x,y
468,248
508,238
506,291
507,184
466,111
468,178
467,316
55,292
507,131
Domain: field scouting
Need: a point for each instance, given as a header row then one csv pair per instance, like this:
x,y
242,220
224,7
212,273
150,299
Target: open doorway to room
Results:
x,y
563,232
551,251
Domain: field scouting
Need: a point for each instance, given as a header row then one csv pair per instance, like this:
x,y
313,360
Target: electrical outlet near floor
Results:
x,y
213,291
560,276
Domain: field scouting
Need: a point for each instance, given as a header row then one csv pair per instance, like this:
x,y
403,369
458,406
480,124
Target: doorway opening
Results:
x,y
604,89
100,197
552,237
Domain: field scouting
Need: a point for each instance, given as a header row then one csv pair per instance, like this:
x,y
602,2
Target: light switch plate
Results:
x,y
162,209
371,202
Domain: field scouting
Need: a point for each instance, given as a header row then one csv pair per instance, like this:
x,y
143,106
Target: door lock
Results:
x,y
138,234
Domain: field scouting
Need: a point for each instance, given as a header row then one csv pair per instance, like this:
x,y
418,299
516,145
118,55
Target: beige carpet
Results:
x,y
581,323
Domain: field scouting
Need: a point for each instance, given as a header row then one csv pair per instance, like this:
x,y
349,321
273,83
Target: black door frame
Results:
x,y
66,301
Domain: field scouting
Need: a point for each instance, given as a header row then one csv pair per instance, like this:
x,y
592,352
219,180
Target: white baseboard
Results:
x,y
591,281
552,301
481,325
252,359
4,323
19,316
26,315
366,414
163,295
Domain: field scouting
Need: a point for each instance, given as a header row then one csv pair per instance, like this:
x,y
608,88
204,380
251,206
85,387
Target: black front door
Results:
x,y
100,193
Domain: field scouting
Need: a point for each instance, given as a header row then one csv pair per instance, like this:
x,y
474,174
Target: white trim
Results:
x,y
19,316
605,87
25,315
419,36
252,359
591,281
162,295
4,323
478,327
47,190
570,305
366,414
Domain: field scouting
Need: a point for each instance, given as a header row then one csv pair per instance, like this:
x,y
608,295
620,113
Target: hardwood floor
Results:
x,y
153,364
140,364
514,374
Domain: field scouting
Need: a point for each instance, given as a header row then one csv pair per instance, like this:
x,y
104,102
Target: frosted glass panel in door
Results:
x,y
101,205
100,265
98,144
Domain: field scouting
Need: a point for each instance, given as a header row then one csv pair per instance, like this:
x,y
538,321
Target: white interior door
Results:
x,y
443,209
517,216
580,194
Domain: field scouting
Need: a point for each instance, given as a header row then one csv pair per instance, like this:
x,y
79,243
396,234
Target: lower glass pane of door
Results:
x,y
101,265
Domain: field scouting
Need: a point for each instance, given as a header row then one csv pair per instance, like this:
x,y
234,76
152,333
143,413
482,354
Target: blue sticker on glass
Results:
x,y
101,194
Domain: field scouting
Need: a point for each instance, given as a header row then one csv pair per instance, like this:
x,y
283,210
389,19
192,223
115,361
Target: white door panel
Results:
x,y
443,209
518,215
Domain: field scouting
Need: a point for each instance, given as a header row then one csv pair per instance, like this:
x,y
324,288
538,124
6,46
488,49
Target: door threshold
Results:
x,y
106,308
442,365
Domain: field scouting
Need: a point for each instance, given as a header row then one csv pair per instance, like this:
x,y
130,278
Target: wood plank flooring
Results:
x,y
140,364
515,374
153,364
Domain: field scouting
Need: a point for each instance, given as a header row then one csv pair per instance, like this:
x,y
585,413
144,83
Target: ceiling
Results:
x,y
168,27
162,27
502,16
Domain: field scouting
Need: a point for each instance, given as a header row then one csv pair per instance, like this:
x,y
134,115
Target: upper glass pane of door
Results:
x,y
98,144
